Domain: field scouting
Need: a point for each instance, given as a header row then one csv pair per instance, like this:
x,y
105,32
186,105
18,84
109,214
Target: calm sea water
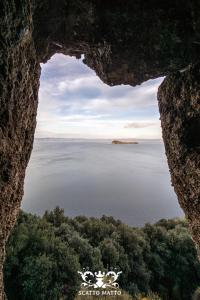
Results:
x,y
92,178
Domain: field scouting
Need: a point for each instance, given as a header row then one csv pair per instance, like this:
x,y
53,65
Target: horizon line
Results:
x,y
90,138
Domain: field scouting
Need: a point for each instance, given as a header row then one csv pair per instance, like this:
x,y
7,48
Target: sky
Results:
x,y
75,103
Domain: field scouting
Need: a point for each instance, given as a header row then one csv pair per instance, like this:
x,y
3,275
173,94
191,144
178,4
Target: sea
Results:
x,y
130,182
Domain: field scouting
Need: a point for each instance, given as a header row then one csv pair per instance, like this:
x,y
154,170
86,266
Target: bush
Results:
x,y
45,253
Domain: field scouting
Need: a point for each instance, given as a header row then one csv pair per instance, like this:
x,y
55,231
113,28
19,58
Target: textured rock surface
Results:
x,y
179,104
19,78
125,44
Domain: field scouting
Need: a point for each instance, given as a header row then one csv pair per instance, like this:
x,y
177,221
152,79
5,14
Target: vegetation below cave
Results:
x,y
45,253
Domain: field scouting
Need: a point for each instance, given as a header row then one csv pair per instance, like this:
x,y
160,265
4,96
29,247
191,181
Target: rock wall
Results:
x,y
19,83
125,44
179,104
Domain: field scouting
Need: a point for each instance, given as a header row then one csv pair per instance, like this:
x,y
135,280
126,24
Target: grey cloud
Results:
x,y
65,79
71,92
139,125
61,67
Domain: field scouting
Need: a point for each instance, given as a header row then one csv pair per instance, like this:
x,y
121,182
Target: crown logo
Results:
x,y
99,279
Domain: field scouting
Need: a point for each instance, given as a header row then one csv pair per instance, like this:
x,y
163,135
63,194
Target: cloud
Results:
x,y
139,125
73,100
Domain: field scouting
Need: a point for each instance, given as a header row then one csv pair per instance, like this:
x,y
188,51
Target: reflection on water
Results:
x,y
93,177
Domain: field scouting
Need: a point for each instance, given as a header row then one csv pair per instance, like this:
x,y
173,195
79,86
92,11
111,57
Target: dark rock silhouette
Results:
x,y
179,104
125,43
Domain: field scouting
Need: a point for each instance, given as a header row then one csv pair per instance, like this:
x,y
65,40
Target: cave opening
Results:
x,y
109,36
74,164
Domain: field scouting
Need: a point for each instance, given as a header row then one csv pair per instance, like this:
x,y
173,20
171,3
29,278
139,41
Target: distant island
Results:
x,y
123,142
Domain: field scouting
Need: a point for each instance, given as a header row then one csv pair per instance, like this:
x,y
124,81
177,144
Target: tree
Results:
x,y
45,253
39,265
